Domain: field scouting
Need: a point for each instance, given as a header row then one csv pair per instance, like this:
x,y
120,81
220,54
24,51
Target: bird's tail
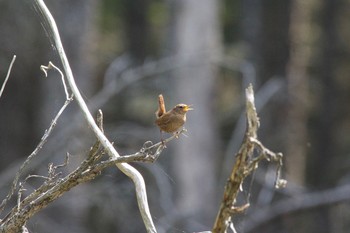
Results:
x,y
161,106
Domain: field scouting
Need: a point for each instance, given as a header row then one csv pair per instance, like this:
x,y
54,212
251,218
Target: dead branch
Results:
x,y
128,170
52,66
244,165
40,144
54,188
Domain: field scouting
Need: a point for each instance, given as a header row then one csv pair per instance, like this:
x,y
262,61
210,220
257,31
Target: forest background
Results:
x,y
124,53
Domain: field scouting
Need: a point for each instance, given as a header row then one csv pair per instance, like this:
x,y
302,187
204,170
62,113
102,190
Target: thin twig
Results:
x,y
33,154
41,143
50,66
8,75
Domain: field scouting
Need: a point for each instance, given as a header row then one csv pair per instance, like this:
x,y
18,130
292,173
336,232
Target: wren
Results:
x,y
171,121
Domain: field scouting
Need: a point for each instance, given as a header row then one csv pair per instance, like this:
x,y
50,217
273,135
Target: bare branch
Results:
x,y
263,96
52,66
33,154
7,76
125,168
244,165
50,191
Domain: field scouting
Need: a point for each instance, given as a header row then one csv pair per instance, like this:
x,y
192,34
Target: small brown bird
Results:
x,y
172,120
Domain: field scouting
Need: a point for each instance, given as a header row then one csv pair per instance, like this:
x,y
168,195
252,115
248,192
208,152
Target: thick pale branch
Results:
x,y
125,168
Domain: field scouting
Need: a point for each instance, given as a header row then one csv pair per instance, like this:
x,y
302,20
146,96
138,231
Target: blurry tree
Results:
x,y
327,116
136,24
328,109
196,43
265,33
272,38
300,36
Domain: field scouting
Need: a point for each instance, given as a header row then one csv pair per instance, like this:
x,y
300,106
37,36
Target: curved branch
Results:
x,y
125,168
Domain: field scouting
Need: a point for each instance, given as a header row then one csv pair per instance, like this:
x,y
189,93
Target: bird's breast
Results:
x,y
170,123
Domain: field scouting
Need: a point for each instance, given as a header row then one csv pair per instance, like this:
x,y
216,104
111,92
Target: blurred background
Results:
x,y
125,52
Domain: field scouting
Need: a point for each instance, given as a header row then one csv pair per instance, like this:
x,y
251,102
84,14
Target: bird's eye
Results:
x,y
181,106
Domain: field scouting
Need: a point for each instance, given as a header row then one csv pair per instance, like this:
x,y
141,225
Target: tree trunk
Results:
x,y
196,43
298,86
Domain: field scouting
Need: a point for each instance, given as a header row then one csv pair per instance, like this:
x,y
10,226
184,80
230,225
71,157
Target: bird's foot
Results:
x,y
163,143
177,134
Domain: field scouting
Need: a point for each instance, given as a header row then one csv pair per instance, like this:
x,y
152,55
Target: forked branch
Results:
x,y
244,165
54,186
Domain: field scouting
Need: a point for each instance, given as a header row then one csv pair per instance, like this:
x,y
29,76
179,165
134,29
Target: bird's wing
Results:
x,y
164,120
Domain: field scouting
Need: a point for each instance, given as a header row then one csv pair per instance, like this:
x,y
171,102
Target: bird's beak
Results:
x,y
188,107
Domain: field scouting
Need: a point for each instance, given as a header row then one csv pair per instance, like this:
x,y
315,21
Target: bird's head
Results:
x,y
182,108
